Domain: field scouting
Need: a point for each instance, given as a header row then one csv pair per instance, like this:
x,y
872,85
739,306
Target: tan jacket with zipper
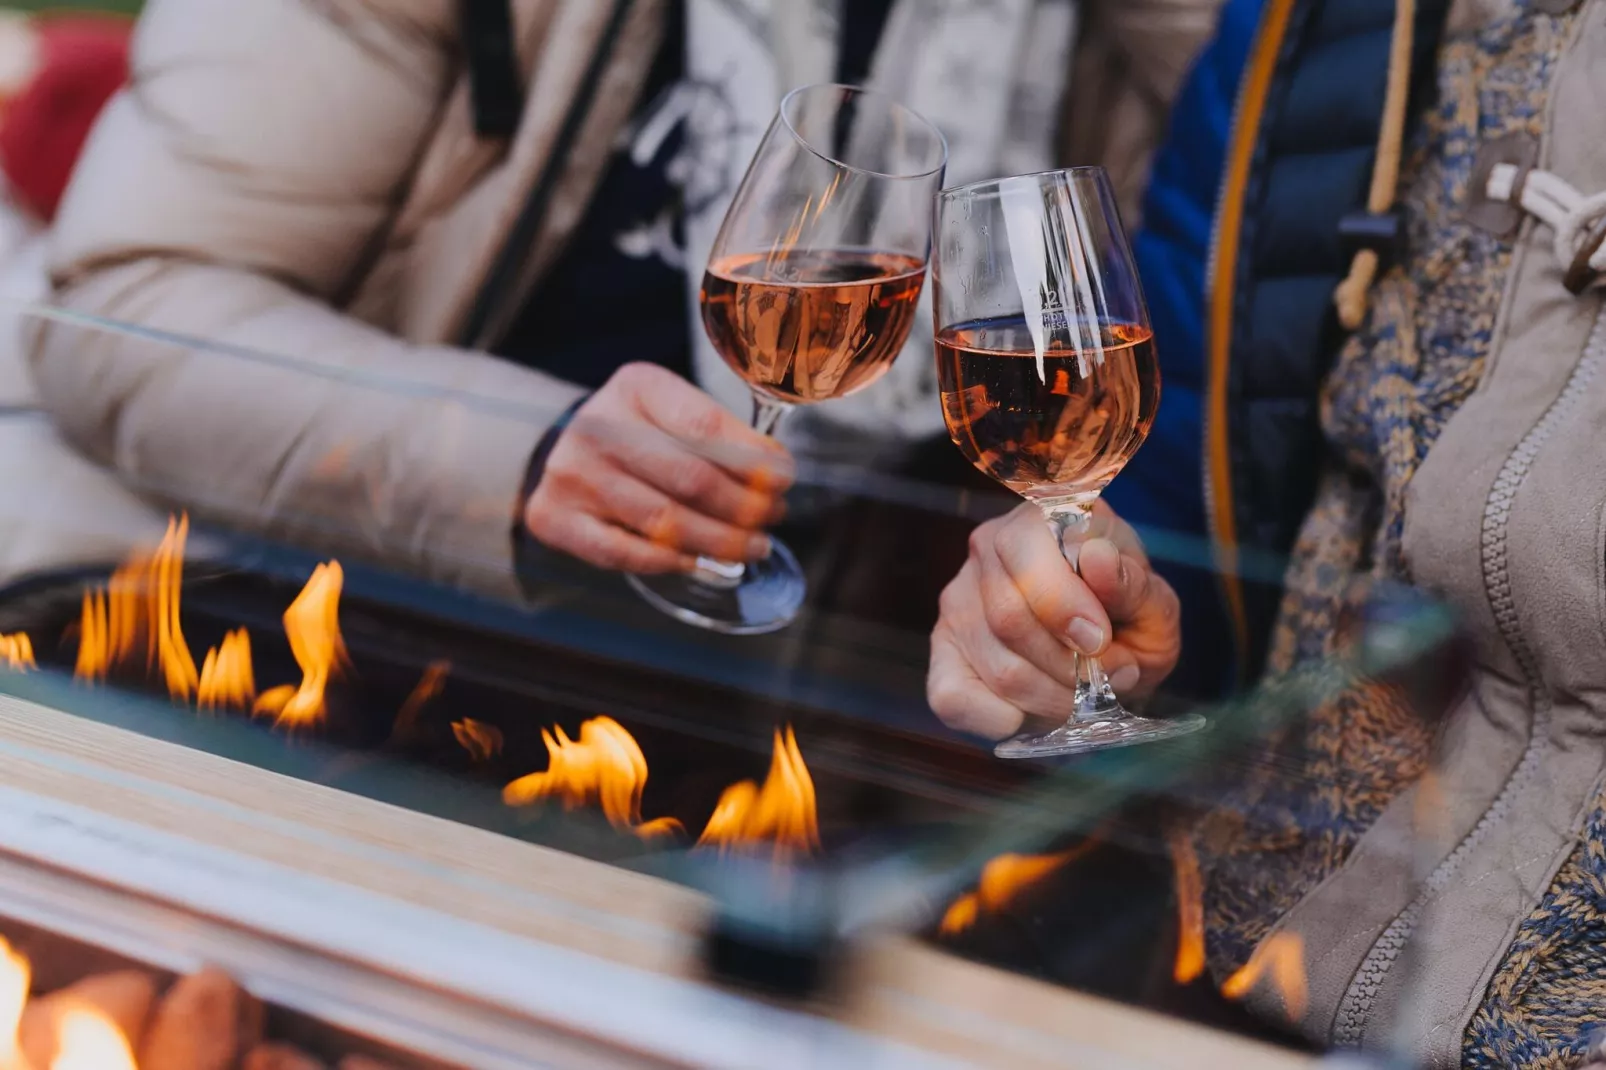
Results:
x,y
1459,922
303,177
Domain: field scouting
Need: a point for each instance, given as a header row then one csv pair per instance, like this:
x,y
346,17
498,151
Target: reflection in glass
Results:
x,y
809,294
1046,364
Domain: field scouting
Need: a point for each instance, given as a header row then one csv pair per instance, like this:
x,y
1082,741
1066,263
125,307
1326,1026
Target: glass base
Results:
x,y
763,597
1116,729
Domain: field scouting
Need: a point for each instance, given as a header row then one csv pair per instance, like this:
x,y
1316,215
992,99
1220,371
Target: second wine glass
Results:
x,y
809,294
1049,382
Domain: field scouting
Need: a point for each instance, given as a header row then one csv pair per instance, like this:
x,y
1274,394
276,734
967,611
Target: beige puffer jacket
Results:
x,y
274,162
302,177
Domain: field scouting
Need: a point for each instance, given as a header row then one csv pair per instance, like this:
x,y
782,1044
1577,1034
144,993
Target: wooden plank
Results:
x,y
994,1018
428,1023
898,992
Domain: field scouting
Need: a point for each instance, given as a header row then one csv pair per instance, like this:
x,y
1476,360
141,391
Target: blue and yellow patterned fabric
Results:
x,y
1392,389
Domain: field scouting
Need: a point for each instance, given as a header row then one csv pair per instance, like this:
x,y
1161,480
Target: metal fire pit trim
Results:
x,y
528,955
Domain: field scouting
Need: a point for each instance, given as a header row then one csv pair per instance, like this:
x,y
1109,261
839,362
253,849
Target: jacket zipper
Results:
x,y
1354,1009
1220,290
502,280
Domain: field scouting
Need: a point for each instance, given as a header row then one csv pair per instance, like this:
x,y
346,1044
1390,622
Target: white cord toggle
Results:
x,y
1552,199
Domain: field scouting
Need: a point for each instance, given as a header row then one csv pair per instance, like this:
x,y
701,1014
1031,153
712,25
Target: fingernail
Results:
x,y
759,547
1125,678
1086,636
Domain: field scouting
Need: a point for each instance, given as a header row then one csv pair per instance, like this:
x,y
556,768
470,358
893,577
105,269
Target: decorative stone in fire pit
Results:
x,y
132,1018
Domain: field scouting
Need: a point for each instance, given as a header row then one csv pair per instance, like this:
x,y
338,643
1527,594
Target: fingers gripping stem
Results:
x,y
1095,699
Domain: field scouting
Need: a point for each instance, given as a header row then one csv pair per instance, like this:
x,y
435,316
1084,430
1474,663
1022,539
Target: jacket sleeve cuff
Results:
x,y
527,550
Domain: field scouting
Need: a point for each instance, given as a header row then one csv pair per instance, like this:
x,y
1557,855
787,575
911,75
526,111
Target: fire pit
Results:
x,y
351,683
67,1005
669,761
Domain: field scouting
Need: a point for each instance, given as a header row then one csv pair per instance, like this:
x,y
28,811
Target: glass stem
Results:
x,y
1095,699
767,413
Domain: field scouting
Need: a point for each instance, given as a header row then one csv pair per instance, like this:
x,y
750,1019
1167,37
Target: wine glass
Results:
x,y
1046,365
810,290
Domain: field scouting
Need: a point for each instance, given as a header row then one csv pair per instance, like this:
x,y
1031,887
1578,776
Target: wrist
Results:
x,y
525,545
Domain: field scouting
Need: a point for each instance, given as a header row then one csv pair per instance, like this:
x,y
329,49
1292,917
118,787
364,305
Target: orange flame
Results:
x,y
782,812
16,975
172,652
429,685
16,651
658,826
88,1040
482,741
1190,961
94,639
141,600
312,624
127,610
603,767
1002,879
227,682
1281,957
960,915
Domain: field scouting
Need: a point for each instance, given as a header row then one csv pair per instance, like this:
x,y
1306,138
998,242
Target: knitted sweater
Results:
x,y
1397,382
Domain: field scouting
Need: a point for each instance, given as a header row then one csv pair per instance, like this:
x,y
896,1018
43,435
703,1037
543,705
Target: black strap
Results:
x,y
499,281
863,22
858,36
493,67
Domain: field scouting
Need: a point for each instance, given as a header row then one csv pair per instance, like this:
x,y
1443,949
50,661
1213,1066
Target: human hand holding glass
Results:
x,y
809,294
1049,383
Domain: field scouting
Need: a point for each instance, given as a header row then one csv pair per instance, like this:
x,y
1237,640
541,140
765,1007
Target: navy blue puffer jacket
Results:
x,y
1309,165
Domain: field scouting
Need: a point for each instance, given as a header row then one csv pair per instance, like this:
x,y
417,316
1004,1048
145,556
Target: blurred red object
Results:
x,y
65,69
